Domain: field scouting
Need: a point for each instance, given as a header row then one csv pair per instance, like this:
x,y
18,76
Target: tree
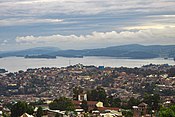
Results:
x,y
127,113
166,112
39,112
57,115
98,94
171,72
152,100
84,105
114,102
5,115
77,91
133,102
63,104
20,108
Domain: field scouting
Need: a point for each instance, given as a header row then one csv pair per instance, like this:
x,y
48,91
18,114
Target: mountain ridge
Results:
x,y
134,51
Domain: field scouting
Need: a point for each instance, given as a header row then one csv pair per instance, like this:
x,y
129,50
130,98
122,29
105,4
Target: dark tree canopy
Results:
x,y
76,92
62,104
171,72
84,105
133,102
152,100
98,94
114,102
167,112
39,112
20,108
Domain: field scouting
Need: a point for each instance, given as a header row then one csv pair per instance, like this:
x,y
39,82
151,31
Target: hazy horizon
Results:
x,y
55,47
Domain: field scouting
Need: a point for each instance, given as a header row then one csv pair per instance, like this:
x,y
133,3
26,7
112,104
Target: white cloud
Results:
x,y
147,22
36,8
97,39
151,26
40,7
16,21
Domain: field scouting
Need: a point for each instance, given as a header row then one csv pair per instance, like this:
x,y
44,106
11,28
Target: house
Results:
x,y
109,111
96,107
53,113
26,115
1,108
140,110
91,104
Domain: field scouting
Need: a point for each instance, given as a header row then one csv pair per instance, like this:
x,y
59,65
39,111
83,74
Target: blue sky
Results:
x,y
79,24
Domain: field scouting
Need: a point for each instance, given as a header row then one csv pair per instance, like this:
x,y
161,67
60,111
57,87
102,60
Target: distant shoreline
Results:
x,y
14,64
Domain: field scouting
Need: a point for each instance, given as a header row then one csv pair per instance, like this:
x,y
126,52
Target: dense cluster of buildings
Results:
x,y
49,83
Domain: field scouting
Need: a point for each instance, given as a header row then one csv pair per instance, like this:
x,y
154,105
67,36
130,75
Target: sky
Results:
x,y
80,24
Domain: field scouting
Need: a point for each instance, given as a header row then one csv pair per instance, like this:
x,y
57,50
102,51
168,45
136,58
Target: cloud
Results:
x,y
43,7
143,27
38,9
111,21
4,42
16,21
97,39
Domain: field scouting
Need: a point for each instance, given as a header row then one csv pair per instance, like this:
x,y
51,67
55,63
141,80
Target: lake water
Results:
x,y
13,64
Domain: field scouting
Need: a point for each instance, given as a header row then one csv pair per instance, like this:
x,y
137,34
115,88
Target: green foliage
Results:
x,y
62,104
98,94
114,102
5,115
127,113
132,102
168,92
76,92
152,100
20,108
57,115
39,112
84,105
166,112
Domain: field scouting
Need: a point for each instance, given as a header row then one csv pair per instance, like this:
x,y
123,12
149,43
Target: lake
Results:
x,y
13,64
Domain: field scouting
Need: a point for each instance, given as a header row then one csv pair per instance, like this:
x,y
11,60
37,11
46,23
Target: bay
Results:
x,y
14,64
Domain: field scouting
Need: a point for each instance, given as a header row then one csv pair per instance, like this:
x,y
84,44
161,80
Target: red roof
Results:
x,y
76,102
108,108
88,102
92,102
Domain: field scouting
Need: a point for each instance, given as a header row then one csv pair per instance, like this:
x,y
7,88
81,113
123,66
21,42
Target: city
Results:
x,y
87,58
119,90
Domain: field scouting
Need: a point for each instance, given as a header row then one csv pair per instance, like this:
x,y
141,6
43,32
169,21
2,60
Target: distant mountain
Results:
x,y
133,51
31,51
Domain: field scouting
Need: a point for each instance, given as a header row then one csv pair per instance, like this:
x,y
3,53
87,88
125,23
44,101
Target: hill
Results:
x,y
133,51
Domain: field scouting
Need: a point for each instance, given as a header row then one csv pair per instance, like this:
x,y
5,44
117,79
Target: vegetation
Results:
x,y
167,112
98,94
132,102
39,112
76,92
20,108
127,113
152,100
84,105
130,51
171,72
114,102
62,104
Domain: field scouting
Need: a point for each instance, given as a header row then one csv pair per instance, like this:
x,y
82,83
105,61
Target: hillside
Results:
x,y
133,51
